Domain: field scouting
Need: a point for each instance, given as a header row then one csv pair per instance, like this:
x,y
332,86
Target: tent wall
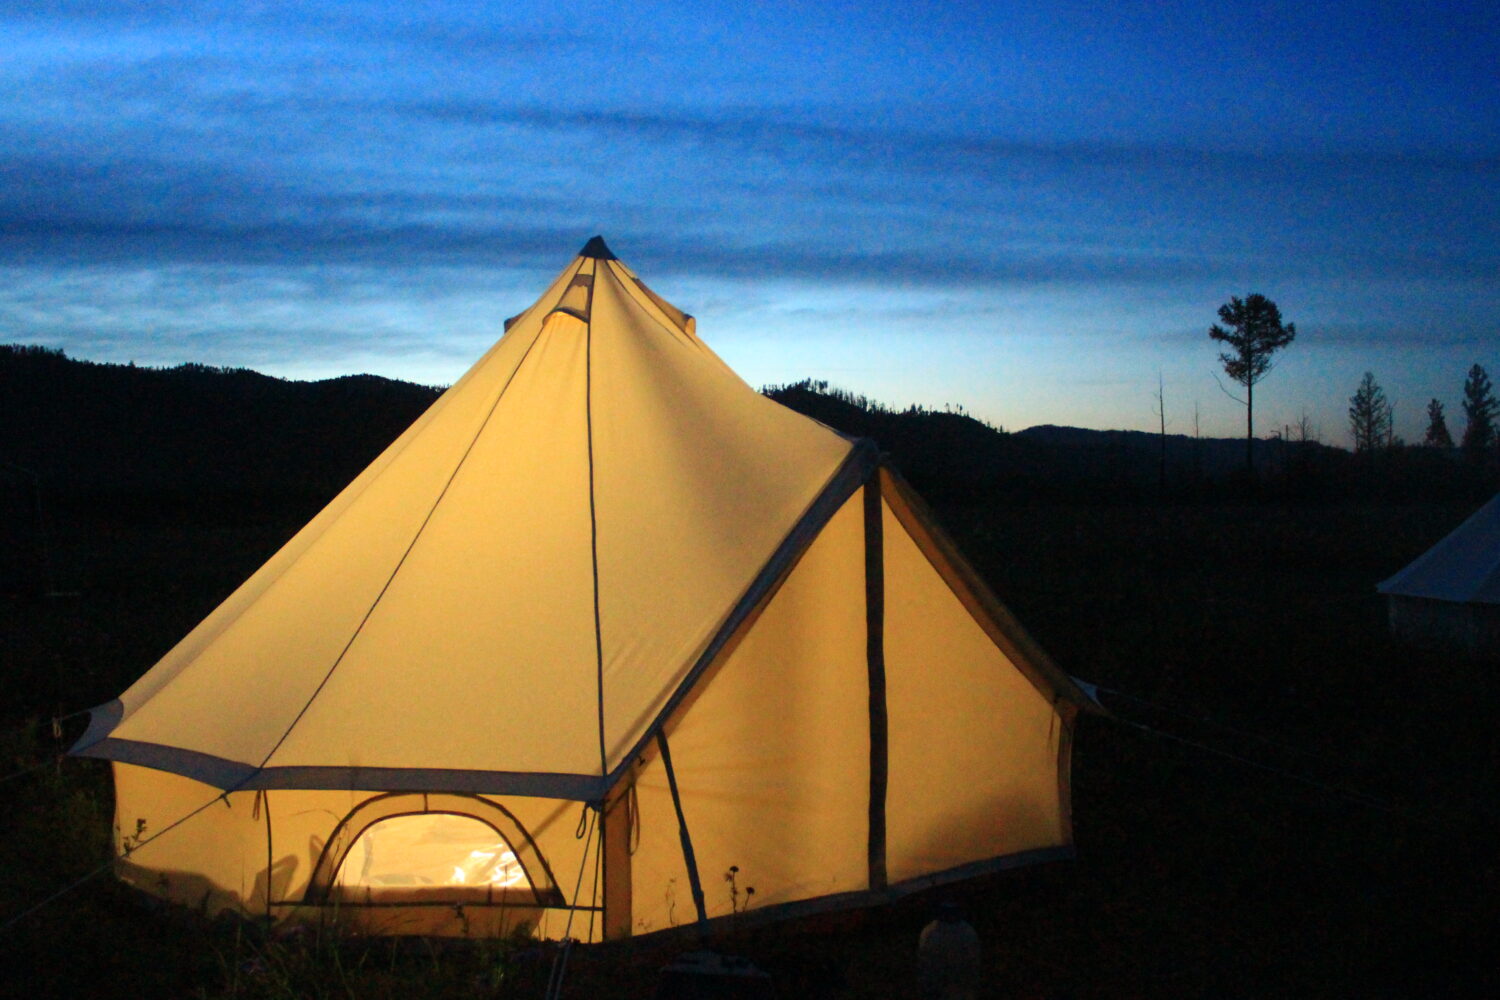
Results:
x,y
217,860
214,861
1472,629
974,747
772,754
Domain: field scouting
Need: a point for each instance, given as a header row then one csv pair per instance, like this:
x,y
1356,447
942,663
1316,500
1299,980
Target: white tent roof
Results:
x,y
1464,567
514,592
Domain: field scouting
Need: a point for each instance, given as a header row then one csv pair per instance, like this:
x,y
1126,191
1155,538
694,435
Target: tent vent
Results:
x,y
576,298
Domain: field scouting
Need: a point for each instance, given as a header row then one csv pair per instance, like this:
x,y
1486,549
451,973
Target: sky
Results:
x,y
1032,211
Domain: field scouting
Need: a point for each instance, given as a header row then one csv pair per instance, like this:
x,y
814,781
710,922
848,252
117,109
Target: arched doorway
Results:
x,y
416,847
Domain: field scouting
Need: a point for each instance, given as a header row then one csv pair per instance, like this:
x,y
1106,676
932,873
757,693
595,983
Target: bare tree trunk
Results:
x,y
1250,430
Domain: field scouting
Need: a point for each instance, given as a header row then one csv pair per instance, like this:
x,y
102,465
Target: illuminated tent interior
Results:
x,y
601,626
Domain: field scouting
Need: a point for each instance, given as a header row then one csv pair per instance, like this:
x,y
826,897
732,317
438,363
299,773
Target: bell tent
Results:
x,y
1449,596
603,625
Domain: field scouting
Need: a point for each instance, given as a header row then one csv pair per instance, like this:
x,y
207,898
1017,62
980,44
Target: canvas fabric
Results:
x,y
599,542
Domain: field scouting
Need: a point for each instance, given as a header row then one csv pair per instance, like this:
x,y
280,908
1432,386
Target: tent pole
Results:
x,y
617,819
687,841
875,664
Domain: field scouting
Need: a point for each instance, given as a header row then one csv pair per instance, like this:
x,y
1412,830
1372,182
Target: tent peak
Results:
x,y
595,248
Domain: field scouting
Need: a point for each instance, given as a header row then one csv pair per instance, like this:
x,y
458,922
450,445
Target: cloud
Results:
x,y
155,211
245,153
1414,334
286,320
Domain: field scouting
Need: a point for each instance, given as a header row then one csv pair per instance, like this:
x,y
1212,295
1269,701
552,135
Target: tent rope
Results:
x,y
560,960
1222,727
1427,816
55,722
1348,793
106,866
1354,795
32,769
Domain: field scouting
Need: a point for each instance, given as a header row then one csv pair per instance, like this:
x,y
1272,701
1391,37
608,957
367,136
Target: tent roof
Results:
x,y
1464,567
509,597
520,590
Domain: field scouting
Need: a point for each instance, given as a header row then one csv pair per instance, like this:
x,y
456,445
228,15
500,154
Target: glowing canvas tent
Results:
x,y
1449,596
603,623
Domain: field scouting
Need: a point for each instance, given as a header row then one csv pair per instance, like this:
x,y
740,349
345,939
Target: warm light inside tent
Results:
x,y
431,849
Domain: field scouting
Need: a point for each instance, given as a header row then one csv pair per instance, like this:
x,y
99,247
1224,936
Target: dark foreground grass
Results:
x,y
1358,860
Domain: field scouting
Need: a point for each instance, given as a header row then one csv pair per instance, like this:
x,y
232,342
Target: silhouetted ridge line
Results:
x,y
93,428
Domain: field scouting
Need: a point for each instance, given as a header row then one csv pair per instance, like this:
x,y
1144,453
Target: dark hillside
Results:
x,y
953,458
104,429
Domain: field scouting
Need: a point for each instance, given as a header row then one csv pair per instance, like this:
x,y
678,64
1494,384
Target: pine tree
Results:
x,y
1479,411
1369,416
1254,331
1437,427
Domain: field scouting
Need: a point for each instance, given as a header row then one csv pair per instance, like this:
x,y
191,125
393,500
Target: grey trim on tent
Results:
x,y
234,776
102,721
574,787
858,466
226,775
861,464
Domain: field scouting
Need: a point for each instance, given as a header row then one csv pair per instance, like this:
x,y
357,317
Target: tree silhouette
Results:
x,y
1437,427
1254,332
1479,412
1369,416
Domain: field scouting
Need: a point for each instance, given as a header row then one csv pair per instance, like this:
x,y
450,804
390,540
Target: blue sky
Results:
x,y
1027,209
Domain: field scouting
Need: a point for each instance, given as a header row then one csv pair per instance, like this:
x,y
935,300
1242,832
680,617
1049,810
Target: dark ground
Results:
x,y
1357,859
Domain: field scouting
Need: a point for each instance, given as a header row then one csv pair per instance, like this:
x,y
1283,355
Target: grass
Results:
x,y
1196,875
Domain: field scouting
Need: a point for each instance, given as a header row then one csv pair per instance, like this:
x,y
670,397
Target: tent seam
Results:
x,y
673,331
588,417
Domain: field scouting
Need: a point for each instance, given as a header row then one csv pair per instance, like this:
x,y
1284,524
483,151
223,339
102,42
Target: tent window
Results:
x,y
438,850
418,847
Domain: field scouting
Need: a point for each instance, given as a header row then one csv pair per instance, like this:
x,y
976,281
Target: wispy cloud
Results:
x,y
859,204
288,179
